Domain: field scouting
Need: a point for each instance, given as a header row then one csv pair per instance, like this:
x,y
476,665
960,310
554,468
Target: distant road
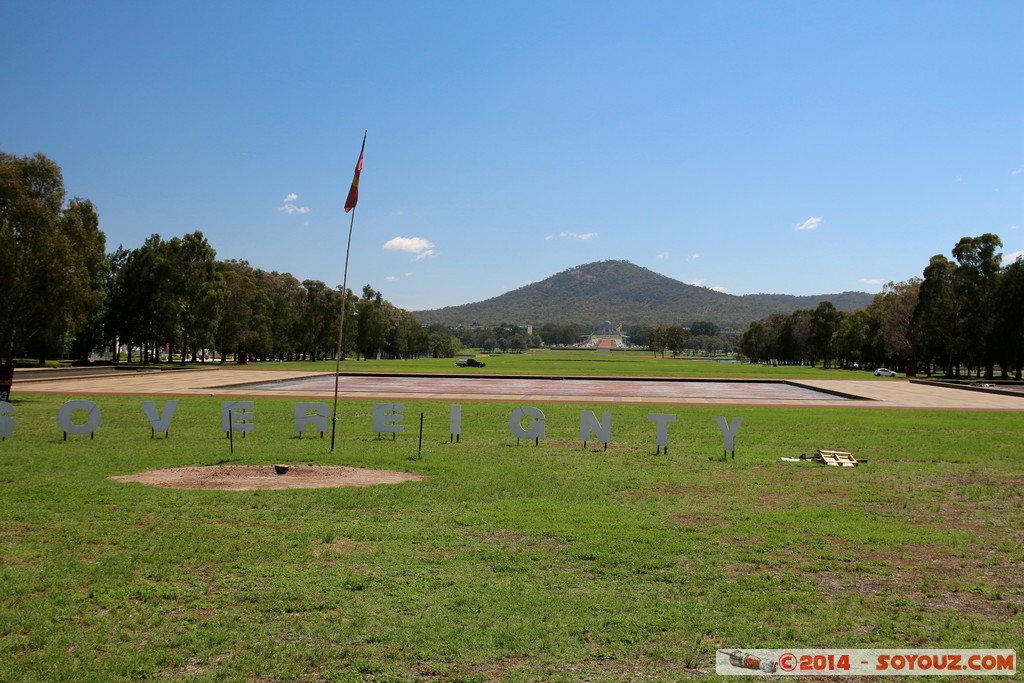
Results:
x,y
41,374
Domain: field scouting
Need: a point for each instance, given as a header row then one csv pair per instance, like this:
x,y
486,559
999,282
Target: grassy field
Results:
x,y
512,562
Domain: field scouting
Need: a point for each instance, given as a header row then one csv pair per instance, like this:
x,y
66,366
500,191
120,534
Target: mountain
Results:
x,y
622,292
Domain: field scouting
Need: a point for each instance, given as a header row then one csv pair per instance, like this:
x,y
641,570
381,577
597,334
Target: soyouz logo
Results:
x,y
891,662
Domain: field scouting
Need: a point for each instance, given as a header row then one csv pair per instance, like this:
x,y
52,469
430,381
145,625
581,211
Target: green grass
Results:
x,y
511,562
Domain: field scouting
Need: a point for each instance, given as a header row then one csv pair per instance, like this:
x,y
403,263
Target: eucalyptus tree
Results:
x,y
318,319
398,341
518,343
793,337
372,324
115,321
444,345
675,339
259,337
752,341
825,320
893,309
978,262
1008,331
855,340
419,340
51,257
406,338
79,291
137,317
278,314
657,339
781,337
704,328
237,310
193,293
350,333
937,316
639,335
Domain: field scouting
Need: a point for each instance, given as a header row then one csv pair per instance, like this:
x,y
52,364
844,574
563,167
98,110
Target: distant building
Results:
x,y
605,336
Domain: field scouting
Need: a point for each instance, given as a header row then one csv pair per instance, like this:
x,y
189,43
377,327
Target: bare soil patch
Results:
x,y
264,477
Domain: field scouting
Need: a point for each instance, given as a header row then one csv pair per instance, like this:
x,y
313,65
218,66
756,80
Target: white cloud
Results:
x,y
663,256
811,223
577,235
390,278
411,245
1012,256
692,257
871,281
700,283
1016,171
290,206
424,254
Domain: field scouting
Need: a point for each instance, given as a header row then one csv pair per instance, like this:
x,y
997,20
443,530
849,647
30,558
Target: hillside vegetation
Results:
x,y
625,293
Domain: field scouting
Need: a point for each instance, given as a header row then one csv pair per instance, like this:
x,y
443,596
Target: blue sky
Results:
x,y
788,147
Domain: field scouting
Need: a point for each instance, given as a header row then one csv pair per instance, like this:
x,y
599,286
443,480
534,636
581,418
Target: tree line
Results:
x,y
701,338
51,258
63,295
962,317
175,297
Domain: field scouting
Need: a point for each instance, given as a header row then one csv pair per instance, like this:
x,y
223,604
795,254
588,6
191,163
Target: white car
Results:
x,y
884,372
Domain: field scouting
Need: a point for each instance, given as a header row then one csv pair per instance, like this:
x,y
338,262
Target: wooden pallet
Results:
x,y
835,458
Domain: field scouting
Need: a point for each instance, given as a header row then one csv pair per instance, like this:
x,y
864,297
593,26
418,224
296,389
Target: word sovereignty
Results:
x,y
81,416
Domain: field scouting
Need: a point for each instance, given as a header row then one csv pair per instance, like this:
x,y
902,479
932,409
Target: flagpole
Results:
x,y
341,327
350,203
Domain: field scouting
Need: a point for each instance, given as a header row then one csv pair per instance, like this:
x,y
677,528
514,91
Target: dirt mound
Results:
x,y
251,477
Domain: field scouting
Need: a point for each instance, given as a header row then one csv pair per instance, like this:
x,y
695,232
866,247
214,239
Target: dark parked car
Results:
x,y
469,362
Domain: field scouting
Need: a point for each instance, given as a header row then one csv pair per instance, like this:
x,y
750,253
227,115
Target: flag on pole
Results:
x,y
353,192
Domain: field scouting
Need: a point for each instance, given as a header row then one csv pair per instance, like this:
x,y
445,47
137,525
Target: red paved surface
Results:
x,y
567,389
879,393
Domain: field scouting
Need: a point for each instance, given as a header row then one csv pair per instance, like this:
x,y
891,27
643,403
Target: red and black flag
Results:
x,y
353,192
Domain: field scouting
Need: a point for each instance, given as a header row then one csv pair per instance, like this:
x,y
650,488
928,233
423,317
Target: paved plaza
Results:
x,y
875,393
